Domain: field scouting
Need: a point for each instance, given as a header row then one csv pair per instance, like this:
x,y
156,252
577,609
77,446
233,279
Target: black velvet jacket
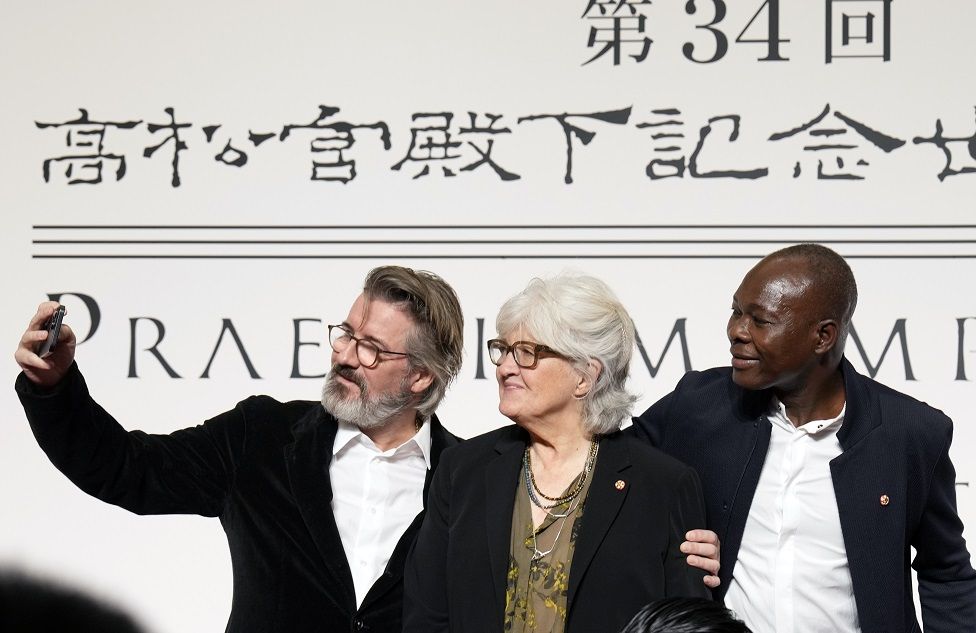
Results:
x,y
263,469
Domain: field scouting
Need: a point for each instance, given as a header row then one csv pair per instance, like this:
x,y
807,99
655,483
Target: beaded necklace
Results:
x,y
572,497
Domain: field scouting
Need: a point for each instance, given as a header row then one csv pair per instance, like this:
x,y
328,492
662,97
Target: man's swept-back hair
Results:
x,y
581,318
435,343
685,615
831,275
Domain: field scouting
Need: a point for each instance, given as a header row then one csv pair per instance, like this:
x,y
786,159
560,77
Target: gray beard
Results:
x,y
364,412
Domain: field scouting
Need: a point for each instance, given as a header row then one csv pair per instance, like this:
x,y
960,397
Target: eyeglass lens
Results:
x,y
524,353
366,352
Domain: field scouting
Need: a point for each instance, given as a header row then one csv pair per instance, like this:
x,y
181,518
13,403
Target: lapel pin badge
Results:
x,y
885,500
620,484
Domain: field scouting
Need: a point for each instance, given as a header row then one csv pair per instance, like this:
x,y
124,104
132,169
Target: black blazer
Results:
x,y
893,445
626,553
263,469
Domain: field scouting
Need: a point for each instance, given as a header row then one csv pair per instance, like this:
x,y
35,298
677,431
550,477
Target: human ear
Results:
x,y
826,336
422,379
587,378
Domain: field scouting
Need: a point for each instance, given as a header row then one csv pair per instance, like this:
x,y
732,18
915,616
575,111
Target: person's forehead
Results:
x,y
777,282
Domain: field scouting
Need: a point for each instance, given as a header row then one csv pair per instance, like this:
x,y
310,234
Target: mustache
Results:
x,y
349,374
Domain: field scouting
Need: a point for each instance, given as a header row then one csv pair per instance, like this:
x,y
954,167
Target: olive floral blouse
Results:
x,y
536,590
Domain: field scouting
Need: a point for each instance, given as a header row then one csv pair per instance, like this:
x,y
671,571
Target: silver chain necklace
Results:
x,y
537,554
574,499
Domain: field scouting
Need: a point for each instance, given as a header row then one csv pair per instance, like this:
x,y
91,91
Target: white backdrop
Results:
x,y
272,240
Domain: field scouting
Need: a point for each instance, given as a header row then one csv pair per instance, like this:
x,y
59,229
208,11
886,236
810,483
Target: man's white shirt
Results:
x,y
791,574
376,495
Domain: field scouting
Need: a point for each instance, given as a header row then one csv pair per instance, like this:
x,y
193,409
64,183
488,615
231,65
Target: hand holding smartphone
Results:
x,y
53,327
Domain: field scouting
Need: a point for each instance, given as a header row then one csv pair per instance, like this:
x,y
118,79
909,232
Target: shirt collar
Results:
x,y
348,433
422,439
777,416
345,435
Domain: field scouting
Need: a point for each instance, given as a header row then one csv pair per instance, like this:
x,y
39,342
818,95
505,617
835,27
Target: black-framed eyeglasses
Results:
x,y
367,352
525,353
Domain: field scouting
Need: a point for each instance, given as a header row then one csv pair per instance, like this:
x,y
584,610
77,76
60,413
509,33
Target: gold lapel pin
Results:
x,y
620,485
885,500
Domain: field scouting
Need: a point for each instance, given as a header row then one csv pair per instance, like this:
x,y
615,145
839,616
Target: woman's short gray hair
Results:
x,y
580,317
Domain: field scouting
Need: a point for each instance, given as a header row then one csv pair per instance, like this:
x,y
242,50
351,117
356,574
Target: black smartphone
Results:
x,y
53,327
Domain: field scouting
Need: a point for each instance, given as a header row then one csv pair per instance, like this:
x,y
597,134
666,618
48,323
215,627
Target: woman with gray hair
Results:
x,y
505,545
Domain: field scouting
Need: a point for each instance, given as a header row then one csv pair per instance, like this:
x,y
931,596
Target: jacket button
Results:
x,y
359,625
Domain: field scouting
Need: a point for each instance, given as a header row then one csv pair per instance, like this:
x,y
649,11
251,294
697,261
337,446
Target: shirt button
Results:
x,y
362,563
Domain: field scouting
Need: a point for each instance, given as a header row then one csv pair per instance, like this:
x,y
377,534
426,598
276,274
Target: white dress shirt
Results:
x,y
791,574
376,495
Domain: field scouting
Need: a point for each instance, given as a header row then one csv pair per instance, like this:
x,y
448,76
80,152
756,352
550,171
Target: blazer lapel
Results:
x,y
500,474
858,475
307,460
603,503
439,440
863,413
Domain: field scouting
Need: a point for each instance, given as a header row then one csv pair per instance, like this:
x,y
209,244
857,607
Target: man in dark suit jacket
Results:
x,y
266,468
760,434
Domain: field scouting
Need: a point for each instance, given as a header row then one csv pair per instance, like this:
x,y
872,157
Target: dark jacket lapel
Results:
x,y
748,442
863,413
861,417
440,439
307,459
500,475
603,502
857,479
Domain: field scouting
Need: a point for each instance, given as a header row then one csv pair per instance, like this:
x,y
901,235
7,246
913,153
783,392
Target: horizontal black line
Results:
x,y
187,227
410,241
430,256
